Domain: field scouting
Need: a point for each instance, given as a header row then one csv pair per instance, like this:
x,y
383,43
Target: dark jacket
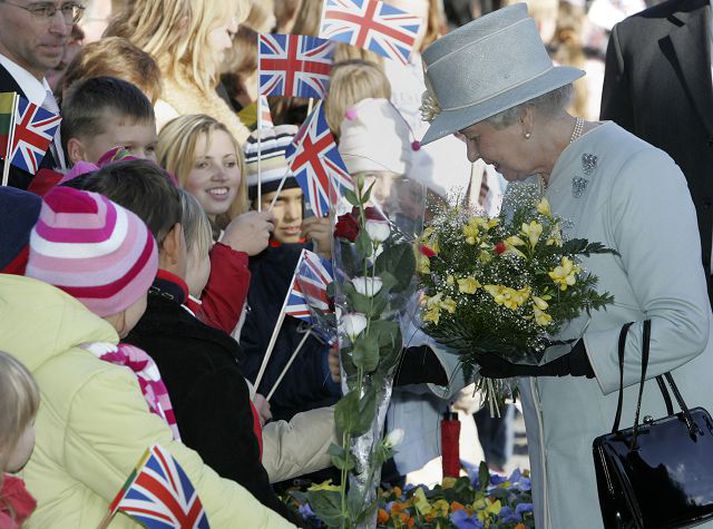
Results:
x,y
658,86
19,178
209,395
307,384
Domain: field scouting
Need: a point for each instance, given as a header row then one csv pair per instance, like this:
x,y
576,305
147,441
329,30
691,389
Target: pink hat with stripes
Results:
x,y
93,249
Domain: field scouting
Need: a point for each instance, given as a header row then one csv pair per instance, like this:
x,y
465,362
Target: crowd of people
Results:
x,y
143,268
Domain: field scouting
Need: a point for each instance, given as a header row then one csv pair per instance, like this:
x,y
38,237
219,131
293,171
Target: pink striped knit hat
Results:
x,y
93,249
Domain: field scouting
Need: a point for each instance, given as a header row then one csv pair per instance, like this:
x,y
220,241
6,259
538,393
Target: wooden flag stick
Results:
x,y
278,326
289,363
279,188
310,105
10,140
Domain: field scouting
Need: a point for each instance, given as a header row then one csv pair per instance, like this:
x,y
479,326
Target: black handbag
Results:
x,y
659,473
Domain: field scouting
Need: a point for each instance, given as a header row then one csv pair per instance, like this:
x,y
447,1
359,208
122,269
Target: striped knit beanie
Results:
x,y
273,161
93,249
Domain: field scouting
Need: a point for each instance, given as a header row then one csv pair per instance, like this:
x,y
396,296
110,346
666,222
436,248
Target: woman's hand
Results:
x,y
333,361
263,408
319,231
249,232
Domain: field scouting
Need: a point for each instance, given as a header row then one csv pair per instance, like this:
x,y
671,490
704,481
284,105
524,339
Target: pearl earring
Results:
x,y
528,135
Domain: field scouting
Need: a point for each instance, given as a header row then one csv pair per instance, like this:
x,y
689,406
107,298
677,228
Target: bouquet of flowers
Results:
x,y
479,501
502,285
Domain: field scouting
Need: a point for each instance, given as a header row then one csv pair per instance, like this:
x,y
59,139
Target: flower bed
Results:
x,y
479,501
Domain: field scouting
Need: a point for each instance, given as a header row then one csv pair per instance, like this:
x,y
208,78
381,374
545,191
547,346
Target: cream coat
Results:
x,y
635,200
93,424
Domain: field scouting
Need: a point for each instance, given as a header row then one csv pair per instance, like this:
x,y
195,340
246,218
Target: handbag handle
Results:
x,y
690,424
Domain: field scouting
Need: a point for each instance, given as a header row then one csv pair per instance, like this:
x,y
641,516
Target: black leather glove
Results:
x,y
420,365
574,363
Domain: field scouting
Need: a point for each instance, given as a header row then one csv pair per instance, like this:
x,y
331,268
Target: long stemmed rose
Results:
x,y
375,268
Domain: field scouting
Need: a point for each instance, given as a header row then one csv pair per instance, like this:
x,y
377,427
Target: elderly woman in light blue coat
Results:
x,y
492,83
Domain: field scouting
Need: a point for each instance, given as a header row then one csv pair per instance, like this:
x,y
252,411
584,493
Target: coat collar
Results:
x,y
691,32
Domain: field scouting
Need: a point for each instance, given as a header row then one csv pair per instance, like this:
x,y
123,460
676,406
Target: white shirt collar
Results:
x,y
35,90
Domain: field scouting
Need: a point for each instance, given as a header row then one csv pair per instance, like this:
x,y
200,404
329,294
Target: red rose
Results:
x,y
500,248
346,228
425,250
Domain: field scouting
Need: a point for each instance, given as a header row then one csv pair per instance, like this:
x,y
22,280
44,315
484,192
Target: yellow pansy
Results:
x,y
565,275
543,208
508,297
468,285
325,485
532,231
421,502
541,317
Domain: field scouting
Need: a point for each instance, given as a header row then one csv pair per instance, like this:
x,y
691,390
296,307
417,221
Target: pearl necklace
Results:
x,y
577,131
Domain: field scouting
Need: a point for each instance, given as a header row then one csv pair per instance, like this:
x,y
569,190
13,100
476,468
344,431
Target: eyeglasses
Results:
x,y
44,11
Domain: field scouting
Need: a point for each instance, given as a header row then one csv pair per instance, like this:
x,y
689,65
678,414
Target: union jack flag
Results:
x,y
34,130
294,65
316,163
372,25
159,495
265,117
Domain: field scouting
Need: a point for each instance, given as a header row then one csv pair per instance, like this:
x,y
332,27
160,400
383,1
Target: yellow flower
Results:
x,y
442,507
532,231
449,483
432,315
541,317
449,305
565,275
421,502
485,257
450,279
485,223
423,264
555,237
540,303
511,244
471,231
325,485
508,297
543,208
468,285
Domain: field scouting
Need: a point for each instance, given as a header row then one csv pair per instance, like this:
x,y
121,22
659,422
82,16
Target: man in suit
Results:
x,y
33,36
658,85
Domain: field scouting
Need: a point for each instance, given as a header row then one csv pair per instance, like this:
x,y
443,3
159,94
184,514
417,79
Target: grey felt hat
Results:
x,y
494,63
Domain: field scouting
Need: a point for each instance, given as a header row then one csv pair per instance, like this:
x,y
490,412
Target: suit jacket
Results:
x,y
657,85
18,177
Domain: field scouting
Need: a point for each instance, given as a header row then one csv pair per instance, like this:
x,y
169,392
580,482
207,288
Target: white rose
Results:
x,y
353,324
378,230
394,438
367,286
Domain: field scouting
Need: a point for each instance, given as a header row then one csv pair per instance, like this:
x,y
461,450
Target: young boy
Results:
x,y
101,113
309,383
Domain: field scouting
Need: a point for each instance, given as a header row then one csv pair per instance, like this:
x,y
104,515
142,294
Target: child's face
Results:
x,y
137,137
288,214
197,271
215,177
20,455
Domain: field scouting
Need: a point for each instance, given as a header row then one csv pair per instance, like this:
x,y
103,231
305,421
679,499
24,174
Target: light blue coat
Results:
x,y
619,190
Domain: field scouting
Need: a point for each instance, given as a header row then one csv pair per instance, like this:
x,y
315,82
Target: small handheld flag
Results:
x,y
294,65
159,494
372,25
317,165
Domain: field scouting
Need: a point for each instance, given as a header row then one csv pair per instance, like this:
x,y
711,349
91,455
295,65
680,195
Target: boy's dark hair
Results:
x,y
143,187
86,104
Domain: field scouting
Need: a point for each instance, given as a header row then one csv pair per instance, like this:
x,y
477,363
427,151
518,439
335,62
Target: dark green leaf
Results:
x,y
400,261
483,476
351,197
326,504
366,413
345,412
366,352
340,457
366,196
364,245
